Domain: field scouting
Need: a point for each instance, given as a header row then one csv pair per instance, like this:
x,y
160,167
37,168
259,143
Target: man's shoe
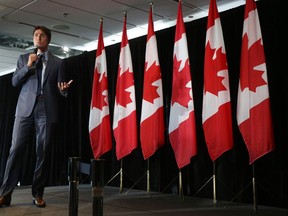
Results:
x,y
5,201
39,202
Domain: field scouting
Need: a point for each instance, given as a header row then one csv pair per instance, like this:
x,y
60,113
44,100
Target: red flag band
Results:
x,y
182,130
152,114
253,105
99,120
216,112
124,121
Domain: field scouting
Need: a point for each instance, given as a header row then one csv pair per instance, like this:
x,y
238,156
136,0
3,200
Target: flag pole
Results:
x,y
213,179
121,175
136,182
253,182
254,188
214,184
180,185
148,176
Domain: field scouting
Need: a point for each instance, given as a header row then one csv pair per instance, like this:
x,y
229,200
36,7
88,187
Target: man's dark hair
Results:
x,y
45,30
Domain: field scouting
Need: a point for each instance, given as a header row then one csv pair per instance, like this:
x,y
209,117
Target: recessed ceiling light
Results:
x,y
60,27
65,49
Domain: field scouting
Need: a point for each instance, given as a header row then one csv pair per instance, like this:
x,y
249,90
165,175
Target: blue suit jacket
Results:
x,y
26,79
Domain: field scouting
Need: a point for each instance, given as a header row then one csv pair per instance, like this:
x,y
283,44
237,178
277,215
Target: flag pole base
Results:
x,y
179,176
213,178
121,172
253,183
147,173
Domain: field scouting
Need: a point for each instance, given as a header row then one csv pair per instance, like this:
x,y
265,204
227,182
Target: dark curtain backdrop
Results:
x,y
233,172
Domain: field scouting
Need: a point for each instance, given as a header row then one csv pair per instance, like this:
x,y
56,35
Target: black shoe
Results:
x,y
5,200
39,202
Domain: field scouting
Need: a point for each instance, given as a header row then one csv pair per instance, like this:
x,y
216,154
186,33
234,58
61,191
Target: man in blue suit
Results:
x,y
40,76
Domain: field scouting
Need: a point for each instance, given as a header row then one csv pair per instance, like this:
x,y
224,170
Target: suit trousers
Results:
x,y
23,127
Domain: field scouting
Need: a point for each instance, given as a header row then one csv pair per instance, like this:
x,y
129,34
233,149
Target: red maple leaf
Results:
x,y
125,81
151,75
181,93
249,60
98,88
213,82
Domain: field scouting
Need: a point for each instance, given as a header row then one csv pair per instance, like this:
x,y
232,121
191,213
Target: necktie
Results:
x,y
39,67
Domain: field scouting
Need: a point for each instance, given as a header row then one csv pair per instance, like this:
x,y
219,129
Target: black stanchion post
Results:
x,y
73,178
97,179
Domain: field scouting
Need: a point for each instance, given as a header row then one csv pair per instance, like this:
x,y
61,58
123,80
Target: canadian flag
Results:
x,y
182,130
124,119
152,115
216,112
253,106
99,119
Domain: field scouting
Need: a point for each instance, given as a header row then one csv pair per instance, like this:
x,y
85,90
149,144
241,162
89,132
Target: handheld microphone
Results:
x,y
35,52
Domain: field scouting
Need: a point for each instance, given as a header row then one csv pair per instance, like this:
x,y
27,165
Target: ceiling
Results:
x,y
75,23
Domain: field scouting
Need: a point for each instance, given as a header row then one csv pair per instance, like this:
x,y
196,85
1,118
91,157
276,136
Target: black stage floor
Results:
x,y
128,203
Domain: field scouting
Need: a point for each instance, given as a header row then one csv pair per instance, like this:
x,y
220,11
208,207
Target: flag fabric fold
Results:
x,y
253,104
216,112
99,119
182,129
152,114
124,118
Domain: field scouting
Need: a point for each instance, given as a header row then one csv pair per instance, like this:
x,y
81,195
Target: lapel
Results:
x,y
32,76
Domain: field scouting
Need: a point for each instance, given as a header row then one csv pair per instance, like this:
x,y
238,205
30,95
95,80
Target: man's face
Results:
x,y
40,39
